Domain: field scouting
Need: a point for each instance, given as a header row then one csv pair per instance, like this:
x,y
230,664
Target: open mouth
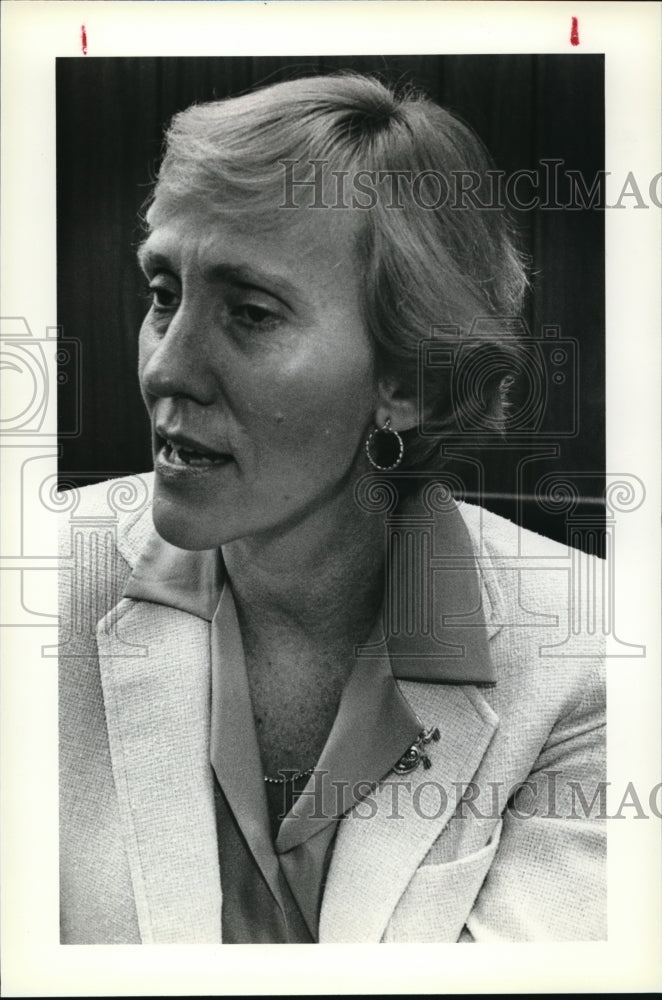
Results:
x,y
179,455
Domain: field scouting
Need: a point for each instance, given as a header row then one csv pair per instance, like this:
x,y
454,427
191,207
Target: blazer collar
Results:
x,y
154,667
435,626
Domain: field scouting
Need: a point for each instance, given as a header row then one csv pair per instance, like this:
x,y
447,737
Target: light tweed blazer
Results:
x,y
522,862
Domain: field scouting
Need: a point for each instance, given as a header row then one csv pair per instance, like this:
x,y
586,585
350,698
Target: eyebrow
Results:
x,y
239,275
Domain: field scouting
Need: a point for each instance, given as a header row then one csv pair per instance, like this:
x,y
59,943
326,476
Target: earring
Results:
x,y
392,442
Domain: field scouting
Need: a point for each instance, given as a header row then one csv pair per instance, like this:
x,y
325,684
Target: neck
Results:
x,y
324,576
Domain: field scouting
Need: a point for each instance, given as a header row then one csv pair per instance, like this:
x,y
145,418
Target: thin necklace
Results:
x,y
409,761
285,777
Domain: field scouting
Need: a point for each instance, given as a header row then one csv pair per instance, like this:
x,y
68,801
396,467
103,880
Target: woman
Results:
x,y
297,719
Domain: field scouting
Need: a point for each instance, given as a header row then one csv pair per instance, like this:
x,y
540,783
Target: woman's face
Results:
x,y
256,369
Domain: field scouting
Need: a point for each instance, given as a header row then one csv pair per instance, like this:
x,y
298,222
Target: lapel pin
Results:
x,y
412,757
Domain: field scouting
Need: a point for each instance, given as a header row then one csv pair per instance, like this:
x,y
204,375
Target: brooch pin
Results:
x,y
412,757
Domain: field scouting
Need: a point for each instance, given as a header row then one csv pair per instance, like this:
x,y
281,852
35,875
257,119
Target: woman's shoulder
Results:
x,y
117,511
495,535
515,562
544,604
102,530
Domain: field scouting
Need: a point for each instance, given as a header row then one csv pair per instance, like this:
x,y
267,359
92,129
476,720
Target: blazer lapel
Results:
x,y
156,678
381,843
158,711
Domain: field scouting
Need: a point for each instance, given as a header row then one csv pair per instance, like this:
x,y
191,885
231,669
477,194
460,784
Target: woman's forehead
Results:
x,y
189,219
308,261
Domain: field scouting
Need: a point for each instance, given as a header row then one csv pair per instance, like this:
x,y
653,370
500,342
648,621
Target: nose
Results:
x,y
177,363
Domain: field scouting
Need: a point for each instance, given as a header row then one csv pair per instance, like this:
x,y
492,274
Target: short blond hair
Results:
x,y
424,265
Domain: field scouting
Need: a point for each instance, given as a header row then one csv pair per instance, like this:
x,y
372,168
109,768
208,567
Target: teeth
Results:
x,y
178,455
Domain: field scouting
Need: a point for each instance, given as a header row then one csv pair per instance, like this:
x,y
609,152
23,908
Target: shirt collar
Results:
x,y
433,626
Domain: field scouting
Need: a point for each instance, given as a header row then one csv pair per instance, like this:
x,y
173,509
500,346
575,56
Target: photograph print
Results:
x,y
335,511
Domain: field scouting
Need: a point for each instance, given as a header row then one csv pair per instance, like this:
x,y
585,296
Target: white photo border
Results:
x,y
33,35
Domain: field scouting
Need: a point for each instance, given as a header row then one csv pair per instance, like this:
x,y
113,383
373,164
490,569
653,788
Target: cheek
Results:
x,y
327,401
145,351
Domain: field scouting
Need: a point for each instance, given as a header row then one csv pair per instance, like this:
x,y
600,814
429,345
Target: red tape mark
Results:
x,y
83,39
574,32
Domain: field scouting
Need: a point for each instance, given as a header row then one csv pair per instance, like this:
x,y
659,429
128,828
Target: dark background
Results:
x,y
110,119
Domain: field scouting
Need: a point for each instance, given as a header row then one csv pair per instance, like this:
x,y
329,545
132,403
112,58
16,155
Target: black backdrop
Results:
x,y
110,118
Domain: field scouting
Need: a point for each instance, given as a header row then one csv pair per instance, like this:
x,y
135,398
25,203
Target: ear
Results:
x,y
394,403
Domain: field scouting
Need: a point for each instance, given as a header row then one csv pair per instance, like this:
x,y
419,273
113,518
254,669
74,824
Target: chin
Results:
x,y
182,530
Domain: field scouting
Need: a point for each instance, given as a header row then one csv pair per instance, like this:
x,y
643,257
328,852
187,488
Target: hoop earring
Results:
x,y
386,429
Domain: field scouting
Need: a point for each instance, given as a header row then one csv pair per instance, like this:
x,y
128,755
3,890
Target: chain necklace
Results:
x,y
411,758
285,778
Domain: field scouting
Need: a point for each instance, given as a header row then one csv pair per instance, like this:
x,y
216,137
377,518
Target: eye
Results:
x,y
250,314
164,293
